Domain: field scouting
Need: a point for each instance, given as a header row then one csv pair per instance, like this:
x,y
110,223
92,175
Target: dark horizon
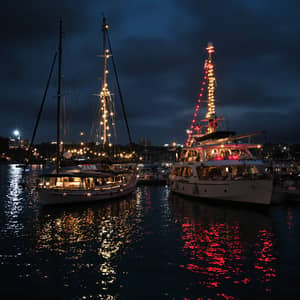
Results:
x,y
159,49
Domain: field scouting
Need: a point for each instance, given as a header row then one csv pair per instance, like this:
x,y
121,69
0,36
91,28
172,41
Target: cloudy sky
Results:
x,y
159,47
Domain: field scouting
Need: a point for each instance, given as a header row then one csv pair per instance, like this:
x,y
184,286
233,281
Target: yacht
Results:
x,y
218,164
82,184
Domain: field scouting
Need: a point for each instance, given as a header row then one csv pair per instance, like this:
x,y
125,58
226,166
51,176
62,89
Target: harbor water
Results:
x,y
151,245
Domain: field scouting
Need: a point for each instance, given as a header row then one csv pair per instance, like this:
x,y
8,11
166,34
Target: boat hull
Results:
x,y
247,191
57,196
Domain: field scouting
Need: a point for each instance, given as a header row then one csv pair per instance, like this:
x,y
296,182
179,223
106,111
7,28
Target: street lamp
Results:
x,y
17,134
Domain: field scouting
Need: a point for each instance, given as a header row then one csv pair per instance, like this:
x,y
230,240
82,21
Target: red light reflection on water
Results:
x,y
148,203
264,256
290,220
220,253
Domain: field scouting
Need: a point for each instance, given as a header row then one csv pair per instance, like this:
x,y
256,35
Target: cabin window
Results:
x,y
59,182
89,183
98,181
72,182
183,155
192,155
118,179
48,181
202,172
187,172
215,173
110,180
176,172
228,172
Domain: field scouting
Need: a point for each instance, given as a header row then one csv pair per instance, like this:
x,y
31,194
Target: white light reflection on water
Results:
x,y
92,240
13,206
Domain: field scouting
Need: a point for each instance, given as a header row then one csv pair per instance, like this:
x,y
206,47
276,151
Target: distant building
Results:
x,y
15,143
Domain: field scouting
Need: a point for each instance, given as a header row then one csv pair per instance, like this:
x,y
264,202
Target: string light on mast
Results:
x,y
208,81
107,119
211,112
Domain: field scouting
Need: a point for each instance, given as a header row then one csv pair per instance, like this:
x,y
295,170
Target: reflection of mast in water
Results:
x,y
106,232
225,245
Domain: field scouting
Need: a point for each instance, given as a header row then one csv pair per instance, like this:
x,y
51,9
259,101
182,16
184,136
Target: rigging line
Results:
x,y
119,89
41,106
65,118
58,98
95,128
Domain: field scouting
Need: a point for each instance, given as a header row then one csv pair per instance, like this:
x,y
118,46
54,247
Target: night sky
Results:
x,y
159,47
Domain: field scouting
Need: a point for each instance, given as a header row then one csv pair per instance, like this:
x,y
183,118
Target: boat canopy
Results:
x,y
215,136
82,175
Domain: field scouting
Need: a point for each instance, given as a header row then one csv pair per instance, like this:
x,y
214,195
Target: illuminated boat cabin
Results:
x,y
82,181
219,158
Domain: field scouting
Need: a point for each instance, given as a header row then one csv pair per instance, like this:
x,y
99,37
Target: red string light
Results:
x,y
192,127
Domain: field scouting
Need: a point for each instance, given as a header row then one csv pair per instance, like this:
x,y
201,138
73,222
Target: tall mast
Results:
x,y
58,98
104,84
209,81
107,106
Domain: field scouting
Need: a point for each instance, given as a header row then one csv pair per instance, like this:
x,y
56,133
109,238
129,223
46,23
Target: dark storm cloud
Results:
x,y
252,94
272,123
244,31
159,48
33,21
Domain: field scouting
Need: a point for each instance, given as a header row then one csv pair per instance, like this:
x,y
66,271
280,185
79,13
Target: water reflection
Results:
x,y
13,205
229,248
92,241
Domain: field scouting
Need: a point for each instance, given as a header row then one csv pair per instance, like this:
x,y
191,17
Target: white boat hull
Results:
x,y
62,196
248,191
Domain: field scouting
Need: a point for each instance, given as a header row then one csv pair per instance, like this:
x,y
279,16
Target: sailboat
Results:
x,y
92,184
217,164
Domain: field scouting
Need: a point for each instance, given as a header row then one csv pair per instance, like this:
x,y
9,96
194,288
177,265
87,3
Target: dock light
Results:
x,y
17,133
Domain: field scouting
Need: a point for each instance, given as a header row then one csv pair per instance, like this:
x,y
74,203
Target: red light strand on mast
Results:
x,y
193,126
